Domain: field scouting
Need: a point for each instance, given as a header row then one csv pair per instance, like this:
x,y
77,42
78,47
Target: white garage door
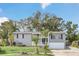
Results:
x,y
57,45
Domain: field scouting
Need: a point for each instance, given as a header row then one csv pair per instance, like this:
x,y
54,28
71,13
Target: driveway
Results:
x,y
66,52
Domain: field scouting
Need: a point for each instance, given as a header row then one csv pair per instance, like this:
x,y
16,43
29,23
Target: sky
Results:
x,y
17,11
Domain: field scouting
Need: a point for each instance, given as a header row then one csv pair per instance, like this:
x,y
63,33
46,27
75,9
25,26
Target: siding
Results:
x,y
57,39
27,40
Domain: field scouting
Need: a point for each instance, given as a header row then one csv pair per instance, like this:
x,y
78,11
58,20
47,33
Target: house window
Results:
x,y
61,36
17,35
43,40
52,36
22,35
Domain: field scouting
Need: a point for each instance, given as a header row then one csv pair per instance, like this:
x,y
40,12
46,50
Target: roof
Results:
x,y
22,32
36,33
26,32
57,32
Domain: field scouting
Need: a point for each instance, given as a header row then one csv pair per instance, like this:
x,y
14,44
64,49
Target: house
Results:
x,y
55,40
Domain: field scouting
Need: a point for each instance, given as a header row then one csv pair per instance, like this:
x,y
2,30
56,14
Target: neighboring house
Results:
x,y
55,40
23,25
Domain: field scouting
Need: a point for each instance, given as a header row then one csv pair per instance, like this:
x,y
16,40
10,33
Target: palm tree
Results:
x,y
46,49
45,34
36,20
36,39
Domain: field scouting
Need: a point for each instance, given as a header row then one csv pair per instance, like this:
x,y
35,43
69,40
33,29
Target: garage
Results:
x,y
57,45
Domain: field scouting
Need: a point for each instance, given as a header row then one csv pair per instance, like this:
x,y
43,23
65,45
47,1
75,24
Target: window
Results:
x,y
43,40
22,35
17,35
52,36
61,36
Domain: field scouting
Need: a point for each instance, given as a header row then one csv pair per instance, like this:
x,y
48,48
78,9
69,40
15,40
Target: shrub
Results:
x,y
46,49
75,44
3,42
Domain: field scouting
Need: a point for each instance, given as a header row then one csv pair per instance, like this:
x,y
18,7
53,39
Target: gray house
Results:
x,y
55,40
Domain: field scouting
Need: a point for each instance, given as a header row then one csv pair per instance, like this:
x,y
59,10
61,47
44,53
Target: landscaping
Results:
x,y
22,51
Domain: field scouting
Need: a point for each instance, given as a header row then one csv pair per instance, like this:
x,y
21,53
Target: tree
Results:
x,y
36,39
53,23
6,29
71,31
45,21
36,21
44,32
46,49
11,38
3,37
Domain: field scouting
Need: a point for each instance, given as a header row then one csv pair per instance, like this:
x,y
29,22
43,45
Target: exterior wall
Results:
x,y
56,43
27,40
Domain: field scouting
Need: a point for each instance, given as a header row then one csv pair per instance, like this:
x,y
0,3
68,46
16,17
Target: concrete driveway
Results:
x,y
66,52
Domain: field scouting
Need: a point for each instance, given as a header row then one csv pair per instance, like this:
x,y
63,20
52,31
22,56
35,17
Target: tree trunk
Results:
x,y
10,42
7,42
37,51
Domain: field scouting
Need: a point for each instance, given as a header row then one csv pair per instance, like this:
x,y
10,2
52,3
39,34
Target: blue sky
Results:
x,y
19,11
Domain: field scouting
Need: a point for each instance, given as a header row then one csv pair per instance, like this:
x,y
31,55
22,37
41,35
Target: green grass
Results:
x,y
17,51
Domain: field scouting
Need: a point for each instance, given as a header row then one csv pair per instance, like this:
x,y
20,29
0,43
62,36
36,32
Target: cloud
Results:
x,y
44,5
3,19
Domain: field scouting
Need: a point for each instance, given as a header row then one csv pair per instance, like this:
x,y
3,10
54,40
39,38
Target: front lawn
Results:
x,y
22,51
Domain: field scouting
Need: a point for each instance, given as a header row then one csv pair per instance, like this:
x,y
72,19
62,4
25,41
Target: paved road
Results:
x,y
68,52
